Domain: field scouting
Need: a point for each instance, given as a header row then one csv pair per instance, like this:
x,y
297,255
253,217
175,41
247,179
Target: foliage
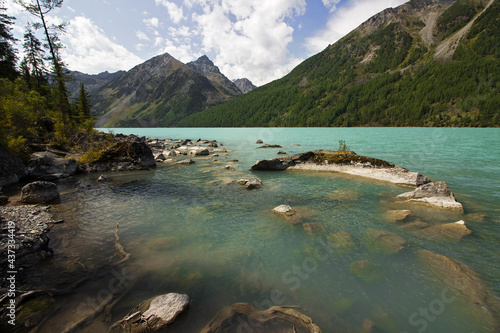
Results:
x,y
343,146
8,56
457,16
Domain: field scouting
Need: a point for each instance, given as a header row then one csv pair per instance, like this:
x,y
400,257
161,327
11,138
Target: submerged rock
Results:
x,y
269,146
343,162
312,228
153,315
415,225
449,231
341,241
436,194
395,216
465,284
367,271
384,242
39,192
237,318
253,184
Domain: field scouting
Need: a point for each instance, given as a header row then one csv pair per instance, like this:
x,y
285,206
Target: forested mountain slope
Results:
x,y
425,63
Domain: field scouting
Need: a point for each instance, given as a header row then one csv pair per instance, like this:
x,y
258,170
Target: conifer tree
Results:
x,y
40,8
32,66
8,56
83,104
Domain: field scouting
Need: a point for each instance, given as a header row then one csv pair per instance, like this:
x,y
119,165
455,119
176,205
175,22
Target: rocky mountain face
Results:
x,y
424,63
206,67
245,85
160,92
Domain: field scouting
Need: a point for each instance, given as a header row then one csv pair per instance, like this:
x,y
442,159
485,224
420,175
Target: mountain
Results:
x,y
92,82
160,92
206,67
424,63
245,85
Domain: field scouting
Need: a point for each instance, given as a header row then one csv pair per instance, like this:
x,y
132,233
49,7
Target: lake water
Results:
x,y
190,230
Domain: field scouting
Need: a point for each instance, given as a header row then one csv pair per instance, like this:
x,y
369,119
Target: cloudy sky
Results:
x,y
261,40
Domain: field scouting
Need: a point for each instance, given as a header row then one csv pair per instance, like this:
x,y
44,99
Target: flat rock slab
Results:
x,y
343,162
436,194
367,271
449,231
467,285
153,315
277,319
396,216
341,241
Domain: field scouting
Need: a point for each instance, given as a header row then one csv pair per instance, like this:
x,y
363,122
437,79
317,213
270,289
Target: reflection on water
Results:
x,y
190,229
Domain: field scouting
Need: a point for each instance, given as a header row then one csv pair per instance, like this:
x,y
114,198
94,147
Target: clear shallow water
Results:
x,y
191,231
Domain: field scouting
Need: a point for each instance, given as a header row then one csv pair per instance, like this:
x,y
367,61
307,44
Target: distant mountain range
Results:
x,y
157,93
424,63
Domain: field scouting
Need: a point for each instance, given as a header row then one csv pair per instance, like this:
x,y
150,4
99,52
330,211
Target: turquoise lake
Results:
x,y
191,230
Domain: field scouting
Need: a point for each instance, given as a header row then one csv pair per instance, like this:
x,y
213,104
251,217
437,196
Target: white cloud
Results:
x,y
250,38
175,12
89,50
331,4
152,22
345,19
142,35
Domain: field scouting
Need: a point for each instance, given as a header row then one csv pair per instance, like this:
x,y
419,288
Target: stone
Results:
x,y
384,242
366,271
436,194
341,241
39,192
395,216
449,231
259,142
12,169
48,166
160,157
281,152
269,146
467,285
199,151
169,153
220,150
284,210
312,228
253,184
235,318
4,200
212,144
153,315
103,178
229,167
185,162
242,181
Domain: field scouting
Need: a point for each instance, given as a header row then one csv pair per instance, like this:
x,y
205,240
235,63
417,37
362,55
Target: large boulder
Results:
x,y
48,166
126,153
39,192
12,169
153,315
436,194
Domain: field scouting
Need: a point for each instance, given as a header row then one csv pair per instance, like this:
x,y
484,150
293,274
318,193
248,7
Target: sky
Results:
x,y
261,40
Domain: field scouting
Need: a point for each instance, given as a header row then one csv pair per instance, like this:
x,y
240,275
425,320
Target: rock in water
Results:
x,y
436,194
153,315
476,294
384,242
39,192
48,166
449,231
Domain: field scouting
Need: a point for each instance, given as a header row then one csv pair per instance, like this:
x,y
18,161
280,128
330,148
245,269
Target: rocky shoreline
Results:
x,y
33,223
